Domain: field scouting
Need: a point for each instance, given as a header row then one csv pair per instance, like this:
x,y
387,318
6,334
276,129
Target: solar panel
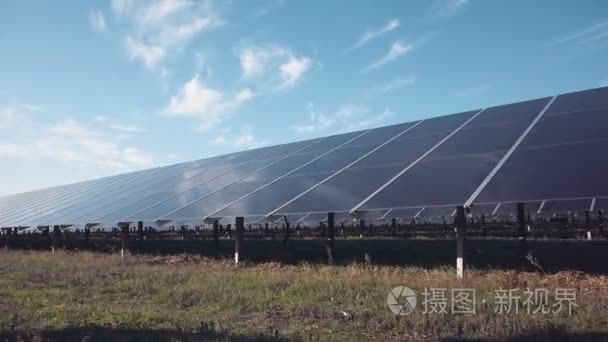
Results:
x,y
63,199
450,173
296,165
185,198
547,153
561,156
349,187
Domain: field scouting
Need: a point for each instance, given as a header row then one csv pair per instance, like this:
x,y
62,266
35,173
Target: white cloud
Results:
x,y
160,10
345,118
447,8
100,118
157,29
17,117
274,66
67,140
244,139
294,69
256,59
589,34
391,86
209,105
604,82
398,49
372,34
121,7
219,140
126,128
97,20
375,120
150,55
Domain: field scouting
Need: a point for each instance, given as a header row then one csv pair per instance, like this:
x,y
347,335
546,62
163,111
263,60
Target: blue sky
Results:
x,y
93,88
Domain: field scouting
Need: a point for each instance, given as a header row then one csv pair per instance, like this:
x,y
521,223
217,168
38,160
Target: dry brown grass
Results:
x,y
42,291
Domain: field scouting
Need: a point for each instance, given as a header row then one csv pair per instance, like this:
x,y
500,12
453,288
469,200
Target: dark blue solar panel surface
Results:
x,y
347,189
331,162
452,172
184,181
84,198
183,199
560,163
562,157
601,204
322,150
47,207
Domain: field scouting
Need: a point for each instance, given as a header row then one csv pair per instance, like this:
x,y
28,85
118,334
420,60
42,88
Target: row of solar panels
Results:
x,y
539,151
568,209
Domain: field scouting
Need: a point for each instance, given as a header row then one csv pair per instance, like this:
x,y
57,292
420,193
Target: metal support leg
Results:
x,y
238,242
330,237
182,230
56,236
588,224
87,234
140,231
216,233
484,229
6,234
361,228
461,230
287,232
521,227
124,236
600,219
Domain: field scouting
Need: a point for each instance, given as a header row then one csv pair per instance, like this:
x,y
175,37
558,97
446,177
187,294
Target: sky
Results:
x,y
95,88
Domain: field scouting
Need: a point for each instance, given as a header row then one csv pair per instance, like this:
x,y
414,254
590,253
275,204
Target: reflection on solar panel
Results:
x,y
546,153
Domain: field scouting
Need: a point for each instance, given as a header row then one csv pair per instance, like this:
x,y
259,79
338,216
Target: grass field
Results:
x,y
42,292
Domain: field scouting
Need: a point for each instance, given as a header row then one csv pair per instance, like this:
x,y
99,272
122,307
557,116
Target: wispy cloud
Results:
x,y
210,106
158,28
293,70
263,11
97,20
397,50
372,34
272,66
391,86
126,128
121,7
150,55
245,138
66,140
588,34
471,91
103,121
604,82
442,9
345,118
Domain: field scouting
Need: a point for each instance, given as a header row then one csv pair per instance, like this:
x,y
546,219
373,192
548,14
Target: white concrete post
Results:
x,y
238,241
461,230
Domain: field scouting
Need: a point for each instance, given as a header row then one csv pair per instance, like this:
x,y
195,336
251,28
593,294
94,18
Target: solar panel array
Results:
x,y
548,153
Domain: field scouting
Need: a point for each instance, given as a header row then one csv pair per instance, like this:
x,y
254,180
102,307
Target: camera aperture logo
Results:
x,y
401,300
